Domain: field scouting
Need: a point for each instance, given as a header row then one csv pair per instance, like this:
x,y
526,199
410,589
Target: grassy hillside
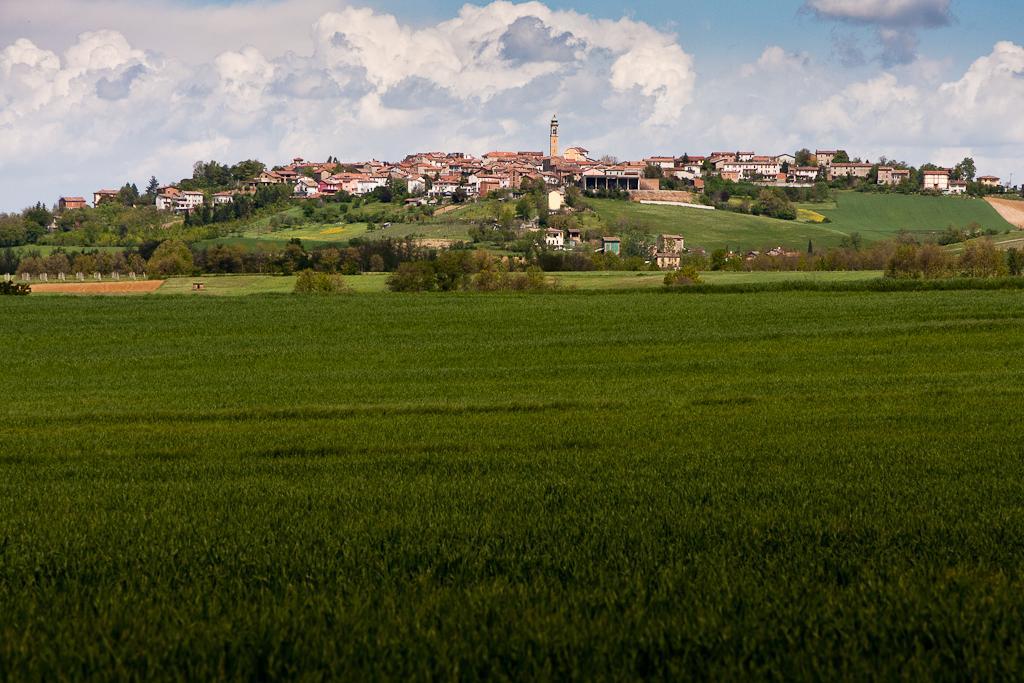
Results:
x,y
880,216
874,216
714,229
584,486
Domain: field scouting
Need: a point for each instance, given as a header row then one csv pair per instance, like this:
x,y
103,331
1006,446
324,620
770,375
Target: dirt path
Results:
x,y
1012,211
127,287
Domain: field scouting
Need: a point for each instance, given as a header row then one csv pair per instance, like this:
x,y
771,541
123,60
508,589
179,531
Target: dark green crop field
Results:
x,y
572,486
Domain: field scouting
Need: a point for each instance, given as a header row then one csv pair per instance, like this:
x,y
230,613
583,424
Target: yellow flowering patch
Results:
x,y
808,216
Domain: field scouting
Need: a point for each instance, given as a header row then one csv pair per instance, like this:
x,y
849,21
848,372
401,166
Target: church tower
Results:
x,y
554,136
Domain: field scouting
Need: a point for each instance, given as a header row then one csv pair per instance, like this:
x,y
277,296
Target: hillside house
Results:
x,y
671,244
936,180
850,170
101,196
892,176
825,157
576,154
192,199
223,197
664,163
575,239
70,203
803,173
668,260
554,238
555,201
786,159
306,187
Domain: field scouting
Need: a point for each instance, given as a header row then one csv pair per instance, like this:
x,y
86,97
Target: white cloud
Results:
x,y
122,101
775,59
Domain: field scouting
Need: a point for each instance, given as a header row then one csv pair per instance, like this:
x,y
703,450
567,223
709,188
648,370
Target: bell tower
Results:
x,y
553,152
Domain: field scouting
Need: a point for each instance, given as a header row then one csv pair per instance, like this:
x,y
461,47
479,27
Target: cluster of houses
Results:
x,y
432,176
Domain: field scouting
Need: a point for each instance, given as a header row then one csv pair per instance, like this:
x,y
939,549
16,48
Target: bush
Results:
x,y
532,280
172,257
687,276
312,282
14,289
413,276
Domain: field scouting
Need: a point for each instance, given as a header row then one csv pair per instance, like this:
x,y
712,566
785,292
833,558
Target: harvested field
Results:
x,y
128,287
662,196
1009,209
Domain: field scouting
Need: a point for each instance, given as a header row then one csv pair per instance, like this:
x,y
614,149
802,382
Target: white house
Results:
x,y
936,180
957,187
555,200
189,200
554,238
306,187
223,198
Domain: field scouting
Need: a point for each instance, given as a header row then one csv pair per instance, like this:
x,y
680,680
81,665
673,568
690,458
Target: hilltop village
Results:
x,y
557,210
434,177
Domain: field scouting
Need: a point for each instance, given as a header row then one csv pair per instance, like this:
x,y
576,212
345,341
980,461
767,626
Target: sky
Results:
x,y
96,93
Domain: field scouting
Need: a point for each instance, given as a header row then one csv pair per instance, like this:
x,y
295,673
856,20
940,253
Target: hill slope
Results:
x,y
881,216
714,229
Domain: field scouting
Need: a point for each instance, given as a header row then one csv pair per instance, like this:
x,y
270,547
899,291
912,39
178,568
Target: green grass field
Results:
x,y
789,486
715,229
882,216
874,216
240,285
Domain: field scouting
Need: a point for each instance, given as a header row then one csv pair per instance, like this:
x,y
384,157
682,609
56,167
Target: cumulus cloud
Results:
x,y
775,59
357,83
347,76
896,23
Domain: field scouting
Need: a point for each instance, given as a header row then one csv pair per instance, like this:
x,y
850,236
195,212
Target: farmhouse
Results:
x,y
957,187
70,203
101,196
577,154
671,244
554,237
853,170
825,157
555,201
610,245
936,180
668,261
888,175
989,181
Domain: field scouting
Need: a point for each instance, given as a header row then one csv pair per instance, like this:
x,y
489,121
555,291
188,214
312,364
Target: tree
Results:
x,y
804,157
841,157
248,169
172,257
524,208
652,171
965,170
152,187
1014,261
128,195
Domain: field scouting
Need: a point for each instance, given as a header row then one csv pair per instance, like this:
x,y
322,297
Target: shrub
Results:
x,y
413,276
172,257
14,289
686,276
312,282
